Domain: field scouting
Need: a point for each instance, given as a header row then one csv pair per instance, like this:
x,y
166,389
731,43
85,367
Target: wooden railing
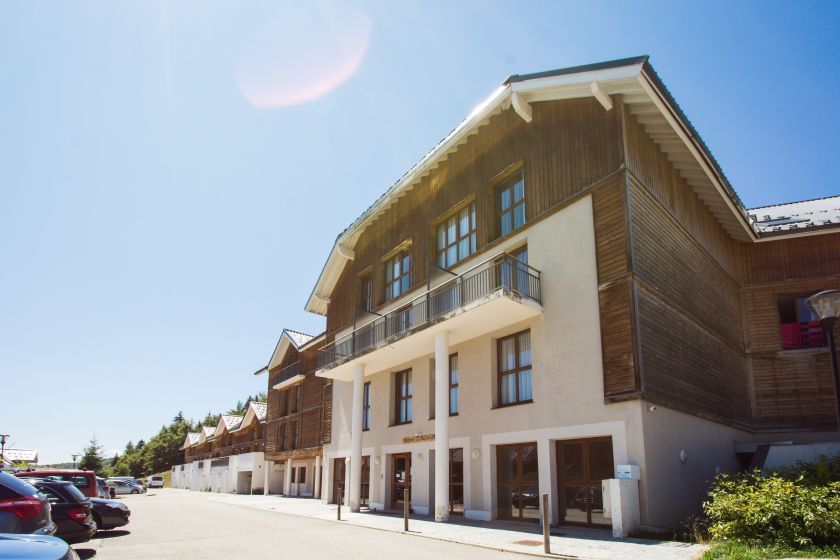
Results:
x,y
501,272
228,450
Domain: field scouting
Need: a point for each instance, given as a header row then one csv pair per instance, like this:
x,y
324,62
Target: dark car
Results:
x,y
109,514
35,547
22,508
72,511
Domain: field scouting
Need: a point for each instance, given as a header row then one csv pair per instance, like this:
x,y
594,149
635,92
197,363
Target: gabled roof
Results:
x,y
805,215
227,423
191,439
207,432
256,412
288,339
642,93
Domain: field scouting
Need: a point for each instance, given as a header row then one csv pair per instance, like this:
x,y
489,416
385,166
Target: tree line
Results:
x,y
160,452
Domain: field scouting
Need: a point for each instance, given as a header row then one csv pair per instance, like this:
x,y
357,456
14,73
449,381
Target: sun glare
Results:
x,y
304,54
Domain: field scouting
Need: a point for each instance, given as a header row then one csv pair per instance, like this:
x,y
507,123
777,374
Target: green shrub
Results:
x,y
775,508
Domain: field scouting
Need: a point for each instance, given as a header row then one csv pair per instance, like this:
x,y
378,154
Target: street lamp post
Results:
x,y
826,306
75,456
3,448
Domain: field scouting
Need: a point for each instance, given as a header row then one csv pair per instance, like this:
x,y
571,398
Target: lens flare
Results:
x,y
306,53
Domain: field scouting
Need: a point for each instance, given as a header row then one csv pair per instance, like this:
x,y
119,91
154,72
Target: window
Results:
x,y
456,481
398,275
295,434
798,326
510,203
366,293
366,407
295,396
514,353
456,237
402,400
453,384
284,436
301,475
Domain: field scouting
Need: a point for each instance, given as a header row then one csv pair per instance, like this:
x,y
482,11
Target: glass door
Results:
x,y
456,481
517,482
365,494
338,480
581,466
400,478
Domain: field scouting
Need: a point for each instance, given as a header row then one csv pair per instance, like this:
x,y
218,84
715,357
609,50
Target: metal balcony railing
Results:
x,y
502,272
287,373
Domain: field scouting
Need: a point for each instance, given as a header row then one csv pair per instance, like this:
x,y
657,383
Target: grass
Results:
x,y
739,551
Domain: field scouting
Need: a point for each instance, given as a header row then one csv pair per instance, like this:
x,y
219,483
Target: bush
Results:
x,y
792,507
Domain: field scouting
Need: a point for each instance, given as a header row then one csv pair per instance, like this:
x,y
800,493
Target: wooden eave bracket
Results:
x,y
345,252
522,107
601,95
323,299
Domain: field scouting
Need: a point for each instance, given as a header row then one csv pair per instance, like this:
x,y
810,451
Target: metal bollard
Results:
x,y
340,498
406,508
545,525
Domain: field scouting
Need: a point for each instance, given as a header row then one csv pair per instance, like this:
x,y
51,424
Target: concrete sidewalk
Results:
x,y
523,538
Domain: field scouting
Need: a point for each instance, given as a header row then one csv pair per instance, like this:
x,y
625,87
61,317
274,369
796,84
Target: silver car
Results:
x,y
124,487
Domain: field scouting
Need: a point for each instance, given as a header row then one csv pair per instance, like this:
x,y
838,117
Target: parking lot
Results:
x,y
188,525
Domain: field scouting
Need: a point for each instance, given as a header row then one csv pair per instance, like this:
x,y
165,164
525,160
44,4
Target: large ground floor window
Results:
x,y
517,482
456,481
581,466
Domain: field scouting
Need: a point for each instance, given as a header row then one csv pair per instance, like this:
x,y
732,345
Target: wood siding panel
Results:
x,y
609,208
794,390
686,368
685,275
651,167
810,257
567,147
621,377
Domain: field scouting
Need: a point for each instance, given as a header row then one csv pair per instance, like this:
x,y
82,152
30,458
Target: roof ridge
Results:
x,y
795,202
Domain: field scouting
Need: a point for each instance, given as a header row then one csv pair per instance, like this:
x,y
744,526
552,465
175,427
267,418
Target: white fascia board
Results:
x,y
291,381
581,79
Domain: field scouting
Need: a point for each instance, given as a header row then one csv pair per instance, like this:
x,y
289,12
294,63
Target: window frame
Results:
x,y
366,291
366,413
517,370
390,281
508,181
454,386
403,379
441,227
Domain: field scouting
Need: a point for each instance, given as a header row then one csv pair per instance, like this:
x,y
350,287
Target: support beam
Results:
x,y
356,439
601,95
267,466
441,426
522,107
287,482
317,492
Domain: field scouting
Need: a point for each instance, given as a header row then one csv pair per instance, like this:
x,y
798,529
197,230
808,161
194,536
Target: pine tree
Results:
x,y
92,459
115,460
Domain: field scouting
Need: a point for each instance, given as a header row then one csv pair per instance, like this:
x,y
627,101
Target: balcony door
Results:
x,y
581,466
400,478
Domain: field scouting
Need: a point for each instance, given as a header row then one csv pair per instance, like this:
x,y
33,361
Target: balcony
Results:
x,y
492,294
287,376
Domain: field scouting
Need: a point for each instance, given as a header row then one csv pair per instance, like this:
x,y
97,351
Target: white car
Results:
x,y
154,481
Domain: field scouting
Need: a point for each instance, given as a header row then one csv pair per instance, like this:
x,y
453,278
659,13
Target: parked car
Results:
x,y
109,514
125,478
155,481
85,481
121,487
102,486
71,510
23,509
35,547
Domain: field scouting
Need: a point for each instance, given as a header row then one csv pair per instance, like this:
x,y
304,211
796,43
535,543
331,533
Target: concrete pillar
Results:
x,y
441,426
356,438
267,466
346,494
287,482
317,475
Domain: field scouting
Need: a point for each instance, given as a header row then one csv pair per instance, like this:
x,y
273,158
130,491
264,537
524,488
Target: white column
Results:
x,y
356,438
317,475
441,426
287,482
267,466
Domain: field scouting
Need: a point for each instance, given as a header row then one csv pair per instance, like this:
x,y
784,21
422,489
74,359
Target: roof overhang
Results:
x,y
644,96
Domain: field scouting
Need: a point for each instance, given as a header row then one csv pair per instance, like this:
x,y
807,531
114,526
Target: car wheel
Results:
x,y
135,492
98,521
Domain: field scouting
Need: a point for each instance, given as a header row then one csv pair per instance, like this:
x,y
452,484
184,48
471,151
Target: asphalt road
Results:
x,y
186,525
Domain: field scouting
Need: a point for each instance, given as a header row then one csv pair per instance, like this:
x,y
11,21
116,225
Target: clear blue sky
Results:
x,y
173,174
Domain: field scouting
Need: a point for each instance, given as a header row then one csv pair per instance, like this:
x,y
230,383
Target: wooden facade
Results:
x,y
311,415
689,316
